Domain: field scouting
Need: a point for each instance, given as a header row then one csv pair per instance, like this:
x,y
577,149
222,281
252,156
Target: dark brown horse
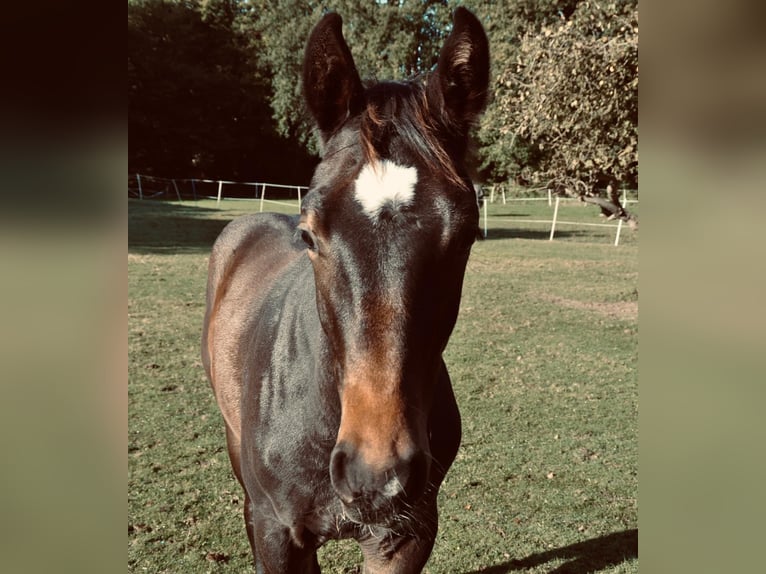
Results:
x,y
323,335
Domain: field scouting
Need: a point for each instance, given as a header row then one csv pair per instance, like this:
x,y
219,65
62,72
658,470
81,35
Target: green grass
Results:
x,y
544,364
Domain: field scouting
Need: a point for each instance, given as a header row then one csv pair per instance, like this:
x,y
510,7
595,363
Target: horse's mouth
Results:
x,y
376,511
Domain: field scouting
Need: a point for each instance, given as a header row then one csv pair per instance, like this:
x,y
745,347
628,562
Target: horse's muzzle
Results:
x,y
366,487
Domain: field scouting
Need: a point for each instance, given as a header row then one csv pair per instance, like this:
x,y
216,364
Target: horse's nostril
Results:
x,y
339,473
353,479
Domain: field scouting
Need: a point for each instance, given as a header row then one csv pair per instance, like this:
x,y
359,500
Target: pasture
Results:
x,y
544,366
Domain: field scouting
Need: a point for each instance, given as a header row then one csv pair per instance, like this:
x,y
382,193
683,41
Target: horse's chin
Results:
x,y
387,514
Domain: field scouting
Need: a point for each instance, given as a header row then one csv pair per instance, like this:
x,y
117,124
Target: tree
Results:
x,y
569,99
214,85
198,99
389,40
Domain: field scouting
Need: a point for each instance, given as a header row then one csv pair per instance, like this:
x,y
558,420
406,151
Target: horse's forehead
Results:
x,y
389,184
384,184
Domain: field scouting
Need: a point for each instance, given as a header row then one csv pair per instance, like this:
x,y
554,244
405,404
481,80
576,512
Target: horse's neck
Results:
x,y
311,337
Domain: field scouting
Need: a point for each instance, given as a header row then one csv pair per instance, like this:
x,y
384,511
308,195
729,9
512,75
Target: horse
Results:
x,y
324,333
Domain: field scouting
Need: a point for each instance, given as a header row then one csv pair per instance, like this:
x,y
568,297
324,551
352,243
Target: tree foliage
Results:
x,y
389,40
566,103
214,85
198,101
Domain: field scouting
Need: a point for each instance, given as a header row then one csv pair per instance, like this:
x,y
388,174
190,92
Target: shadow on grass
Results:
x,y
160,227
506,233
588,556
508,214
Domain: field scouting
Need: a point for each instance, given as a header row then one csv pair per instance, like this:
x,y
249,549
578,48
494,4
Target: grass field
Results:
x,y
544,364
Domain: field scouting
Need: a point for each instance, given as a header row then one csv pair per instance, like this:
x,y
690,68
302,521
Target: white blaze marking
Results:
x,y
386,183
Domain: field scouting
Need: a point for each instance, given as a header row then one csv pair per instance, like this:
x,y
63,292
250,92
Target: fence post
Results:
x,y
194,190
555,216
178,193
140,191
220,187
299,196
485,218
550,198
263,194
617,236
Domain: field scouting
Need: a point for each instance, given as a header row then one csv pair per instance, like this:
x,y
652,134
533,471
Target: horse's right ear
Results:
x,y
331,84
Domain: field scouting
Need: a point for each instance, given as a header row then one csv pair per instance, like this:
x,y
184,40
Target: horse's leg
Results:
x,y
233,445
250,529
399,555
278,552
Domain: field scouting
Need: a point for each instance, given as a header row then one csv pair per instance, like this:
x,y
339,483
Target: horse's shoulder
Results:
x,y
251,236
250,248
247,259
247,229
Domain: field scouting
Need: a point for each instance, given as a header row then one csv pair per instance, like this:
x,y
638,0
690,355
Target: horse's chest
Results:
x,y
328,521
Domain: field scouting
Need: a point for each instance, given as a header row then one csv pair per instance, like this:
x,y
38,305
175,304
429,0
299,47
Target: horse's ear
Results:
x,y
459,88
331,84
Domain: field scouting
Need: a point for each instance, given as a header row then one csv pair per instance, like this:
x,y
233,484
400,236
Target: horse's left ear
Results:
x,y
331,84
459,88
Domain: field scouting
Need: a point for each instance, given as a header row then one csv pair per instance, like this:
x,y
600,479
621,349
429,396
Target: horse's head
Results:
x,y
388,225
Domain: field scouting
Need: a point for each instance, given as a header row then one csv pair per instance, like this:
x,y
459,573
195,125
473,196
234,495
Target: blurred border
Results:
x,y
63,334
702,167
63,231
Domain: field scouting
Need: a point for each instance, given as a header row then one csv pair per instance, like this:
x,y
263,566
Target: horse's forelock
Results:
x,y
400,111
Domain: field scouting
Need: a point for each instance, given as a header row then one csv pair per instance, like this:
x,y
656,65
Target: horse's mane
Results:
x,y
401,110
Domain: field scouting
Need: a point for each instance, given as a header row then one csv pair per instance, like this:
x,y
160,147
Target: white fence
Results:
x,y
144,191
501,191
554,202
146,187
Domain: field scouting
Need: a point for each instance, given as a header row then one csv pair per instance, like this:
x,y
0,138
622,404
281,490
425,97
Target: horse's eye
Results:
x,y
309,239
